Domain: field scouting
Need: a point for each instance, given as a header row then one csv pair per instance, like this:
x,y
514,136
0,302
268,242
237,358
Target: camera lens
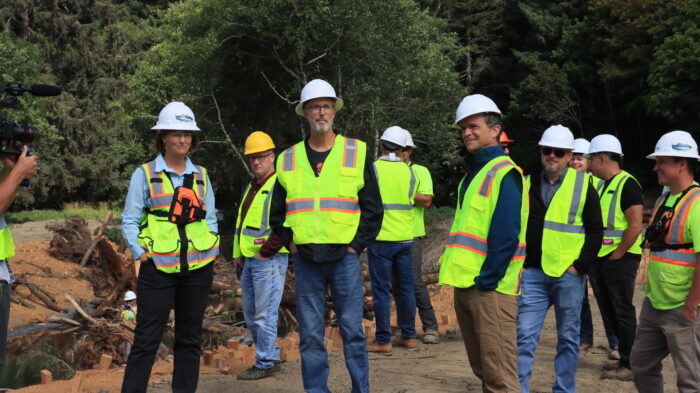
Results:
x,y
11,131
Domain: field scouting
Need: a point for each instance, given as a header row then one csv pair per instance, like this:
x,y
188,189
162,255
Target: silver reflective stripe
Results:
x,y
288,159
256,232
397,206
161,201
467,241
264,222
340,205
413,184
676,228
3,223
576,200
520,251
376,173
237,231
483,191
613,232
566,228
198,256
174,260
599,188
299,205
350,150
676,256
200,187
610,228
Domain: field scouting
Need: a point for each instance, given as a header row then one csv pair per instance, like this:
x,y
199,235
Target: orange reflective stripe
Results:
x,y
672,262
487,184
689,199
300,205
343,205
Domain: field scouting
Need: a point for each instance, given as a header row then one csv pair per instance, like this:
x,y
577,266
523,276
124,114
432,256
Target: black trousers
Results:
x,y
425,307
157,293
5,291
616,290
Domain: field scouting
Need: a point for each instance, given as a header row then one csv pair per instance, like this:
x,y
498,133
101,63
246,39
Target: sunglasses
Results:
x,y
559,153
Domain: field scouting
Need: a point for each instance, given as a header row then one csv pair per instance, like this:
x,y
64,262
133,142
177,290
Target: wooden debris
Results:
x,y
71,239
77,382
45,376
96,240
105,362
65,320
127,279
80,309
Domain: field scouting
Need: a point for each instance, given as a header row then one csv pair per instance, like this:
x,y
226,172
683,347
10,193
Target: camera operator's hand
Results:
x,y
25,167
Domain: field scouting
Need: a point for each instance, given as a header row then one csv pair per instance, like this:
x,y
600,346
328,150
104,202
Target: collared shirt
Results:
x,y
138,200
548,189
6,272
390,157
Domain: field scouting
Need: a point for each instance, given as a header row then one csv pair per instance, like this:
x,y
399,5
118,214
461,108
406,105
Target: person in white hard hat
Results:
x,y
613,279
669,323
485,250
325,208
169,224
389,255
129,307
423,200
580,162
564,232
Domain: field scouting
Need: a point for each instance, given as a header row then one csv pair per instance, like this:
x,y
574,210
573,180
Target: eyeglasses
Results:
x,y
317,108
260,158
181,136
559,153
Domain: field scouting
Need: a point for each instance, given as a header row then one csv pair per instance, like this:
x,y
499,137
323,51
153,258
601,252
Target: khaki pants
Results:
x,y
659,333
487,321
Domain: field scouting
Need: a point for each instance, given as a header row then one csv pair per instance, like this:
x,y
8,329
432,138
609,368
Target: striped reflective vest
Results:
x,y
323,209
7,245
397,186
466,248
671,271
563,234
614,221
250,236
163,239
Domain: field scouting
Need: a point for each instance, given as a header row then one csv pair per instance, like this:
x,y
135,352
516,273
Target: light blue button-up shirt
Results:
x,y
138,200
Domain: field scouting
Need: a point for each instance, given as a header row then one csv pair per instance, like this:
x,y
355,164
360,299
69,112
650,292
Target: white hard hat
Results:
x,y
581,146
129,295
317,88
605,143
395,135
676,144
176,116
409,140
557,136
475,104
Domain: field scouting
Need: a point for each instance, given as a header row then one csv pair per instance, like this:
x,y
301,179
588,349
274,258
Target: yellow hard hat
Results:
x,y
258,142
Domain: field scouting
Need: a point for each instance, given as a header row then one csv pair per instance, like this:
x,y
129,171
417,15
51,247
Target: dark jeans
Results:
x,y
425,307
158,292
615,300
4,320
586,336
594,279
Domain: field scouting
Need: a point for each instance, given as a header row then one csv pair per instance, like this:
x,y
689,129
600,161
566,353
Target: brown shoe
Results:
x,y
611,366
382,349
409,343
620,374
584,347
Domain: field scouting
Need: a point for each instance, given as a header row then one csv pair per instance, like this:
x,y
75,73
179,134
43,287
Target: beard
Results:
x,y
321,127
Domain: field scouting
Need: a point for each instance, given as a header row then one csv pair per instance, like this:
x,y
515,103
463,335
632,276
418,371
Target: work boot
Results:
x,y
614,354
382,349
254,373
431,336
620,374
584,347
409,343
611,366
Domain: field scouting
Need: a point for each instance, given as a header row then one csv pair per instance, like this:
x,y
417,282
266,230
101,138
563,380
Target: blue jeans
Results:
x,y
586,319
344,278
391,262
539,292
262,284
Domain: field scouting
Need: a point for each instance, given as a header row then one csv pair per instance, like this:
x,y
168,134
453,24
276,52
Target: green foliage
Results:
x,y
86,212
24,370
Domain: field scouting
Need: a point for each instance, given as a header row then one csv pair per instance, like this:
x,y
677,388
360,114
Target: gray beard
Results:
x,y
321,129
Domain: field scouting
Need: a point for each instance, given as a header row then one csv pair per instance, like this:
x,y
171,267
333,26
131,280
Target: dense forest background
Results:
x,y
625,67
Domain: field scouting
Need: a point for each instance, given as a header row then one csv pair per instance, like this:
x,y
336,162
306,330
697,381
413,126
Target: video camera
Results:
x,y
11,132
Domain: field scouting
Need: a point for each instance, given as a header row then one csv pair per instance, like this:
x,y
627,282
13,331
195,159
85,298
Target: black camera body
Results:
x,y
13,134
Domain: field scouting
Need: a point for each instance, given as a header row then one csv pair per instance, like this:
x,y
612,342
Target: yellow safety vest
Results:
x,y
7,245
249,237
397,186
163,239
466,248
670,274
614,221
563,234
323,209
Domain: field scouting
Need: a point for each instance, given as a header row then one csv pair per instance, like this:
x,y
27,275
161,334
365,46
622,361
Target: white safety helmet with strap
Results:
x,y
557,136
129,295
317,88
475,104
395,135
676,144
605,143
581,146
176,116
409,140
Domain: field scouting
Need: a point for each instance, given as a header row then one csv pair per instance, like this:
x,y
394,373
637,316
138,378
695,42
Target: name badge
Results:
x,y
606,242
258,242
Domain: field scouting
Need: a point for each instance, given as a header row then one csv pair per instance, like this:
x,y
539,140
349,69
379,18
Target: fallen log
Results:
x,y
80,309
65,320
115,263
41,294
96,240
128,277
15,298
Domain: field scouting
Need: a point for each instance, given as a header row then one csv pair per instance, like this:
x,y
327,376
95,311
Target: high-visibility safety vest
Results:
x,y
397,186
7,245
597,183
563,234
255,229
467,246
323,209
670,272
614,221
163,240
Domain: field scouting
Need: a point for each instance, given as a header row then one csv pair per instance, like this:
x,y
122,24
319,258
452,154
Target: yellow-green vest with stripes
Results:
x,y
163,239
250,236
614,221
467,246
7,245
397,186
323,209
